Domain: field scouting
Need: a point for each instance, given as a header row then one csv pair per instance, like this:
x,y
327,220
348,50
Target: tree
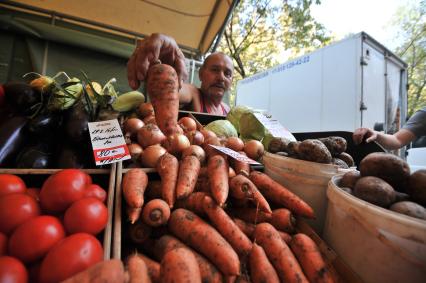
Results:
x,y
411,22
264,33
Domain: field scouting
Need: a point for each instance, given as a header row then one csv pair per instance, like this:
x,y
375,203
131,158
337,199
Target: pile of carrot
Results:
x,y
206,217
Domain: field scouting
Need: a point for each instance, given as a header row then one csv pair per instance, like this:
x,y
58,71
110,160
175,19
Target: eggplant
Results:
x,y
21,96
44,124
35,156
12,138
76,124
70,156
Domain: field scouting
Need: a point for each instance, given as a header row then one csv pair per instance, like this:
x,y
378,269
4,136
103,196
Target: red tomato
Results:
x,y
95,191
34,192
12,270
70,256
15,209
34,238
63,188
3,244
88,215
11,184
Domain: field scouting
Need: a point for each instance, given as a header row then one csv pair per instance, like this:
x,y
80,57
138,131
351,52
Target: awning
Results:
x,y
194,24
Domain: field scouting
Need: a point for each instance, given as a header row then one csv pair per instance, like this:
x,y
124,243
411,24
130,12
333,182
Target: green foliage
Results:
x,y
411,25
264,33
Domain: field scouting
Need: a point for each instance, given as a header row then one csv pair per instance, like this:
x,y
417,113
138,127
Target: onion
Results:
x,y
150,134
135,151
195,137
176,143
234,143
196,151
145,109
254,149
149,120
208,134
187,124
132,126
151,154
210,151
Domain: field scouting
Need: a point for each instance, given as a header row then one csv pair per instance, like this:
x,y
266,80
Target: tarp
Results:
x,y
193,23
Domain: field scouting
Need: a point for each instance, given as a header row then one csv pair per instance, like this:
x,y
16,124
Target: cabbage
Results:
x,y
235,114
222,128
251,128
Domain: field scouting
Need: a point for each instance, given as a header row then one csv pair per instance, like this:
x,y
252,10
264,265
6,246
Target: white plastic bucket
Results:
x,y
378,244
308,180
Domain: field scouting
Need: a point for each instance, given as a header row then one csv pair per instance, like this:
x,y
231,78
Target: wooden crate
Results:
x,y
103,177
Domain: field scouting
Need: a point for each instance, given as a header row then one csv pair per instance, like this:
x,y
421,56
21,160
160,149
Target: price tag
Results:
x,y
108,142
235,154
274,127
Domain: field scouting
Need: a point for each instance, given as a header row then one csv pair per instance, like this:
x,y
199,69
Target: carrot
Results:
x,y
139,232
179,265
202,237
193,202
138,272
279,194
162,86
208,272
248,229
261,269
227,228
134,185
217,168
108,271
279,254
153,189
251,215
133,213
189,169
152,266
156,212
239,166
168,168
241,187
283,220
310,258
285,237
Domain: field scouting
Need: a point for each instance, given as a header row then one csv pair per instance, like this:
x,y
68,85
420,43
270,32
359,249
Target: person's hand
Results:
x,y
364,133
148,51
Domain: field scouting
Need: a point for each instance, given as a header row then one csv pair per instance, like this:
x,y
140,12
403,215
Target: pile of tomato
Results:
x,y
50,234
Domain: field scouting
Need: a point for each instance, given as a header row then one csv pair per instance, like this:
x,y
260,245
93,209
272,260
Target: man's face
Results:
x,y
216,75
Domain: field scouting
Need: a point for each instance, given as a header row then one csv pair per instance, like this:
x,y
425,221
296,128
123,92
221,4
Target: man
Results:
x,y
215,74
414,128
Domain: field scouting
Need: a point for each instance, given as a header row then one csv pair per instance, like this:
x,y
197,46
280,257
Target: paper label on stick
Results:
x,y
108,142
274,127
235,154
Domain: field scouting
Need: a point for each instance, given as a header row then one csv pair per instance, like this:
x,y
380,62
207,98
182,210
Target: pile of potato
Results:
x,y
385,180
329,150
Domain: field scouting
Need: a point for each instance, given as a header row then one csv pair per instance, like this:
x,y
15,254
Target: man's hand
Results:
x,y
153,48
364,133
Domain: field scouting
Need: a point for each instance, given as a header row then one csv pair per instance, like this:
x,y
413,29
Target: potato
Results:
x,y
277,145
409,208
349,179
417,186
391,168
292,149
314,150
336,145
375,191
339,162
347,158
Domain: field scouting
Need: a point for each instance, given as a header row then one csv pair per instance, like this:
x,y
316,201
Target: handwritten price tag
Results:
x,y
108,142
235,154
274,127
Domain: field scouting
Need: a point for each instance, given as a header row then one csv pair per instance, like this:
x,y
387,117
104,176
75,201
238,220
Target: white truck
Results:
x,y
353,83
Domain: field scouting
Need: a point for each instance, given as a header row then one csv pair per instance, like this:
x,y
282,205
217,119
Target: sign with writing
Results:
x,y
274,127
235,154
108,142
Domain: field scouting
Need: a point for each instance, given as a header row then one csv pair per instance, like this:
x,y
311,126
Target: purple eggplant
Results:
x,y
12,138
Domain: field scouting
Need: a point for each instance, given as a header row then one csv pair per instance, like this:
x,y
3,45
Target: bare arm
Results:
x,y
389,142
